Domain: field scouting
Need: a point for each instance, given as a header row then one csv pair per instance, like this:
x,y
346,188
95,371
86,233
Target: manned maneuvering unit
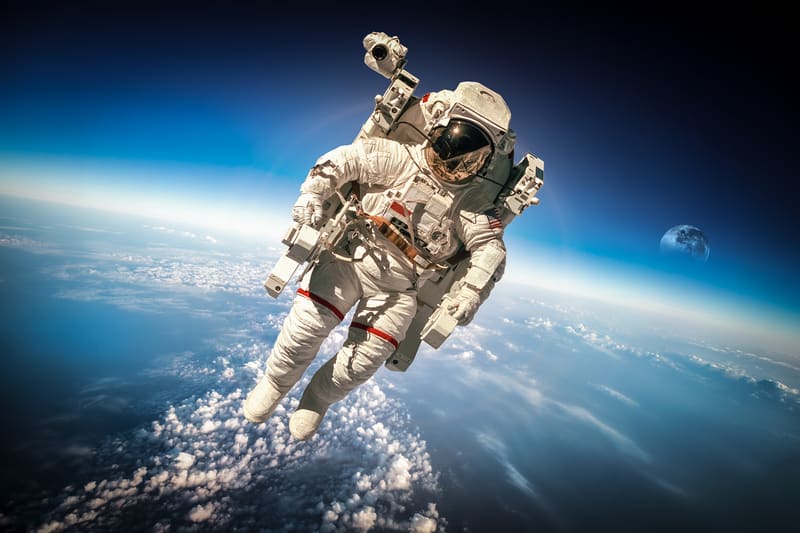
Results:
x,y
401,116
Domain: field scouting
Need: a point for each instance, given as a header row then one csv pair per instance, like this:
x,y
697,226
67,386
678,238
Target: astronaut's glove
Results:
x,y
308,210
464,305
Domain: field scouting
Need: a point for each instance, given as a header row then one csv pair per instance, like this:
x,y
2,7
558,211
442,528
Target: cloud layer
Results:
x,y
541,374
201,465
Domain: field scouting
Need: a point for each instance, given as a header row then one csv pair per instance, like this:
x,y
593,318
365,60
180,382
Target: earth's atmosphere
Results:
x,y
128,346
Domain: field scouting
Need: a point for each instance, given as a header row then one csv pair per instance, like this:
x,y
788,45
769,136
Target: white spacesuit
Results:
x,y
419,204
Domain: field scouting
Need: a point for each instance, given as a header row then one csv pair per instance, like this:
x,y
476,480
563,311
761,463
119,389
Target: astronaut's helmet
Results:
x,y
458,151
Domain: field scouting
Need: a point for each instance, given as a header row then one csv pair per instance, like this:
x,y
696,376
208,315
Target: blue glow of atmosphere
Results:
x,y
637,134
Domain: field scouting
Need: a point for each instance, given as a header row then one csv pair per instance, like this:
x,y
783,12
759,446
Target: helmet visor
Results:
x,y
458,169
461,150
457,138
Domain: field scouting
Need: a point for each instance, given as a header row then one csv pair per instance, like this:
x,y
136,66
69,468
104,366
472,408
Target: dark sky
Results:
x,y
646,117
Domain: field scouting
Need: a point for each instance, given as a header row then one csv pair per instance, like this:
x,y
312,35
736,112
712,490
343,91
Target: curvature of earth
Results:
x,y
546,414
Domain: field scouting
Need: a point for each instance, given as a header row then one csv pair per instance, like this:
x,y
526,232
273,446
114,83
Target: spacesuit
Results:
x,y
419,204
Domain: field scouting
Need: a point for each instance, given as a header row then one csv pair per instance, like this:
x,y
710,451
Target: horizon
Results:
x,y
211,119
679,299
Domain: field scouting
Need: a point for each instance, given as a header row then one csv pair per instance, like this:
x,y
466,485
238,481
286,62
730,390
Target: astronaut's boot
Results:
x,y
305,421
262,401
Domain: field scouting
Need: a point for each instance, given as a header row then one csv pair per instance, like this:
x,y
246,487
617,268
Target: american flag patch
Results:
x,y
494,218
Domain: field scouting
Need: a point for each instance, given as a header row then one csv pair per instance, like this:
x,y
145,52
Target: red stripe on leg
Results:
x,y
375,331
321,301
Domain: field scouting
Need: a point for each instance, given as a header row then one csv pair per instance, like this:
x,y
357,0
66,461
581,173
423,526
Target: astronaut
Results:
x,y
419,204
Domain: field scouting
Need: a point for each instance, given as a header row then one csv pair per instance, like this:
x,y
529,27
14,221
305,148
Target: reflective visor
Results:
x,y
457,138
460,168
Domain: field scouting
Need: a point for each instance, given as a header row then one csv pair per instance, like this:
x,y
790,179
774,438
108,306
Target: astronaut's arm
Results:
x,y
365,161
330,172
333,170
486,267
483,237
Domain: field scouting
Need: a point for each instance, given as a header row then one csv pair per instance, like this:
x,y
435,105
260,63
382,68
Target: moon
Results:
x,y
687,241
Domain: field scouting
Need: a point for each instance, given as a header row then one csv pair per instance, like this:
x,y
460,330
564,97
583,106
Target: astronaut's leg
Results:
x,y
379,325
325,295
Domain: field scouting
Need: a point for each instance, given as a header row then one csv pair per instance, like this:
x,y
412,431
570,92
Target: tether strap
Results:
x,y
322,301
375,331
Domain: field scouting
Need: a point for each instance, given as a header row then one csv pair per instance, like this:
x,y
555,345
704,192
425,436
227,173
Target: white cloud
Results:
x,y
760,386
182,233
520,386
158,281
514,383
184,461
425,523
202,461
539,322
364,519
670,487
498,449
466,355
202,513
26,243
605,344
623,443
617,395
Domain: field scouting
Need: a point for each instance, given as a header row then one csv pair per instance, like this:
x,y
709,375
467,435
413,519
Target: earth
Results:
x,y
129,344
